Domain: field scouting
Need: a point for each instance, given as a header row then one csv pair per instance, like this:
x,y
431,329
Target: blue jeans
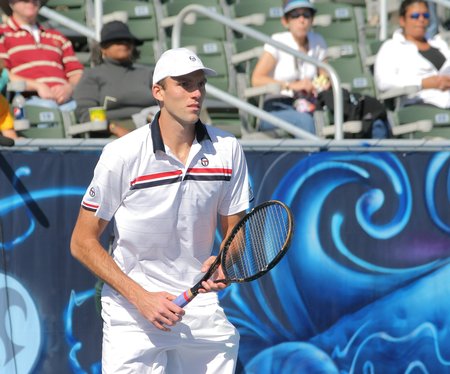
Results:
x,y
380,129
285,111
68,106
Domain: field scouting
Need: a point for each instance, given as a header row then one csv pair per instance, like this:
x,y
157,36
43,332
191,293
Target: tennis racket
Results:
x,y
255,245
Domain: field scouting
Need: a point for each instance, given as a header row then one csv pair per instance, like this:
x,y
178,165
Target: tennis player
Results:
x,y
168,186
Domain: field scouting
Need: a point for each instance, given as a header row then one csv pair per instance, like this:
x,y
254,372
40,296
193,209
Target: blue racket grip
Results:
x,y
183,299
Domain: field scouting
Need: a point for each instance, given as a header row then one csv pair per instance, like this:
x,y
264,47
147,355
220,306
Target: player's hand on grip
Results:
x,y
211,285
158,308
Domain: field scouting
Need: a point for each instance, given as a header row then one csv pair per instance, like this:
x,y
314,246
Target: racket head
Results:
x,y
257,242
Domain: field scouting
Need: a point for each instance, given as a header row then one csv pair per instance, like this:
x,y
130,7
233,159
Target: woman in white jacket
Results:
x,y
410,59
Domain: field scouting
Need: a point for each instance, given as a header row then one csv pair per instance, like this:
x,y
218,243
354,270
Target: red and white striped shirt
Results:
x,y
50,60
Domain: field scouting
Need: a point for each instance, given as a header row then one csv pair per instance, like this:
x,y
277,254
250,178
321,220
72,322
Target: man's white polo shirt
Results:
x,y
166,212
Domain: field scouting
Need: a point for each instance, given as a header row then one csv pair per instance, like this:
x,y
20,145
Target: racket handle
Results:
x,y
185,298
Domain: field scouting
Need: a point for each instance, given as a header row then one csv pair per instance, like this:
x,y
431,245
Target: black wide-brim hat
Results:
x,y
116,30
4,4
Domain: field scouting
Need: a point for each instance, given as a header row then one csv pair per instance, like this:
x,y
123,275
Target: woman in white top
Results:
x,y
410,59
294,75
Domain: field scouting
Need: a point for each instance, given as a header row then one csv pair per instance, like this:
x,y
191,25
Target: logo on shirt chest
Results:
x,y
204,161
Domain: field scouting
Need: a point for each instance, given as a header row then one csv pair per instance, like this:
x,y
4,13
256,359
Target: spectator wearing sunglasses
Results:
x,y
411,59
295,103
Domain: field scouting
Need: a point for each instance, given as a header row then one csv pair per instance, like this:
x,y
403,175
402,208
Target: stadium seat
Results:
x,y
263,15
195,24
44,123
345,58
411,121
439,119
344,25
54,124
73,9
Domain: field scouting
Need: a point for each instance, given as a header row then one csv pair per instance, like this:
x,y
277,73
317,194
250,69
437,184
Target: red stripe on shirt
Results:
x,y
146,178
94,206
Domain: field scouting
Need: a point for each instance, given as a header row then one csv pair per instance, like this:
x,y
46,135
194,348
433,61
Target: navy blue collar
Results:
x,y
201,133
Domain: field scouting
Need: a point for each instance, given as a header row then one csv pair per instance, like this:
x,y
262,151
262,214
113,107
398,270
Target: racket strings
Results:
x,y
258,242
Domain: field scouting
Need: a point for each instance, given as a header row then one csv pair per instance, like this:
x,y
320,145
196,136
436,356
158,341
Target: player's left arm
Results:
x,y
227,223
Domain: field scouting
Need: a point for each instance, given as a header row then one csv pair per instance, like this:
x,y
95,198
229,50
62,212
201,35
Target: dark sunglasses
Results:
x,y
295,15
416,15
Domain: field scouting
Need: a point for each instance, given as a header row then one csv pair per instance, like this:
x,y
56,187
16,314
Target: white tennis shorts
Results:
x,y
203,342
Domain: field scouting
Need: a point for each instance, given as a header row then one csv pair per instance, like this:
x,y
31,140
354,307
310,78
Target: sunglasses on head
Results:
x,y
416,15
298,14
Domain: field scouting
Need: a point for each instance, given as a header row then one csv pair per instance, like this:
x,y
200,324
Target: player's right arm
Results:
x,y
85,246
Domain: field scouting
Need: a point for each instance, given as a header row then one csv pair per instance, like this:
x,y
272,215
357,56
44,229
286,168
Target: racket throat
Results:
x,y
192,292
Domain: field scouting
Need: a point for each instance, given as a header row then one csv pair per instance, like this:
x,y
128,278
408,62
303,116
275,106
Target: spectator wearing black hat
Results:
x,y
117,83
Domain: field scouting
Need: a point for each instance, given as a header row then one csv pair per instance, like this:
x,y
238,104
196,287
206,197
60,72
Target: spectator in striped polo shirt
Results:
x,y
43,57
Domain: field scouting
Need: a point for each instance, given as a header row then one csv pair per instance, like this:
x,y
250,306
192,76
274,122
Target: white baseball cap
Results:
x,y
178,61
294,4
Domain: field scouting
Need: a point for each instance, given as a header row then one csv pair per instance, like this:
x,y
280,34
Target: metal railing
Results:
x,y
278,145
93,34
222,95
